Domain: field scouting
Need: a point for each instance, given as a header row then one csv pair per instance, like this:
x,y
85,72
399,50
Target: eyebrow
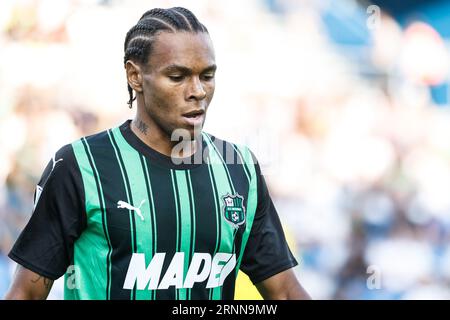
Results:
x,y
176,67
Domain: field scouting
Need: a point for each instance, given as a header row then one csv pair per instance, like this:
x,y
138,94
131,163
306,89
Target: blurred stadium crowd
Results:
x,y
354,142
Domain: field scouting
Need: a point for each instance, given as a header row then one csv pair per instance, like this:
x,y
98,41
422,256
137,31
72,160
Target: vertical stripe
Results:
x,y
244,164
129,198
140,199
118,220
152,210
218,216
211,144
205,226
89,241
241,177
104,217
185,210
178,215
251,202
224,186
193,213
166,219
234,174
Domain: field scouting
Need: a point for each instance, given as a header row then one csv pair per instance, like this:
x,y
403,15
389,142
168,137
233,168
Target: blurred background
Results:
x,y
345,104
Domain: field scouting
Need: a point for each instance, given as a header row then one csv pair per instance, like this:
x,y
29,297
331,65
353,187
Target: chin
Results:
x,y
195,134
186,134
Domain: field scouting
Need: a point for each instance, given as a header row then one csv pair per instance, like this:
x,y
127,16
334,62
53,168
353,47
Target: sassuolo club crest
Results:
x,y
233,209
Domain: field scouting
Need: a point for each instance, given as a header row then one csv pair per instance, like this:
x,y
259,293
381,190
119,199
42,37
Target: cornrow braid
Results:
x,y
139,39
192,19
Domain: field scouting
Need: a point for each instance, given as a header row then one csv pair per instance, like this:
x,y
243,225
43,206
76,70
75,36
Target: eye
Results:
x,y
208,76
176,78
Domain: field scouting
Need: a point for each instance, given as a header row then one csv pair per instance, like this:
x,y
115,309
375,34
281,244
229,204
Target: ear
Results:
x,y
134,75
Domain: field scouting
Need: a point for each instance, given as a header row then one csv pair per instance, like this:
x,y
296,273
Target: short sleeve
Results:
x,y
45,246
267,252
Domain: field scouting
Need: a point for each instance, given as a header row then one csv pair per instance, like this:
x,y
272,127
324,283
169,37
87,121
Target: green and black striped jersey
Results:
x,y
121,221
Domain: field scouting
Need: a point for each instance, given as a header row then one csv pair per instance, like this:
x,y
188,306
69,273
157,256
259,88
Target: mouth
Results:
x,y
194,117
194,113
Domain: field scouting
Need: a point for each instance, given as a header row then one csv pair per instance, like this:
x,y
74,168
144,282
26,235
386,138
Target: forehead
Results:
x,y
192,50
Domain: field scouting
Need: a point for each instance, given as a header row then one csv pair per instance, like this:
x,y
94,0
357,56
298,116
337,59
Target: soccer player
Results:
x,y
132,213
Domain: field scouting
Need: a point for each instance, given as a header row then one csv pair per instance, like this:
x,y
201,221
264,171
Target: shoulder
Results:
x,y
96,139
65,158
60,168
62,159
68,153
87,146
66,164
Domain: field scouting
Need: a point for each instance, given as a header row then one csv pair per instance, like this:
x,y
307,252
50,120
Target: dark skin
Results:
x,y
178,79
28,285
282,286
173,91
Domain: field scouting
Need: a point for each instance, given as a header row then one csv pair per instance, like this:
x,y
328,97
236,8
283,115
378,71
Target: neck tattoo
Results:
x,y
142,126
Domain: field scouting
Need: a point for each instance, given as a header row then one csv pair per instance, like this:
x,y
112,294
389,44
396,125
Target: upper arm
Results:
x,y
282,286
28,285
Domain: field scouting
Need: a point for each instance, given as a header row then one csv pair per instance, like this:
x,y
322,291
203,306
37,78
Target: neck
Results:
x,y
161,142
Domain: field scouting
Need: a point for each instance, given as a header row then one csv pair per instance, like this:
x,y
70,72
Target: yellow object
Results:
x,y
245,290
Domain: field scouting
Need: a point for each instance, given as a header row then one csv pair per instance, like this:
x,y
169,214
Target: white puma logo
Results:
x,y
123,204
54,162
37,194
39,189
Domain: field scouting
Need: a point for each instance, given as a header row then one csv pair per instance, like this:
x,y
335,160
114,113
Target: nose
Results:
x,y
196,90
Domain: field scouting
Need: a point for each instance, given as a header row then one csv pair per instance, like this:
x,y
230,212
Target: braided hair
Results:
x,y
139,39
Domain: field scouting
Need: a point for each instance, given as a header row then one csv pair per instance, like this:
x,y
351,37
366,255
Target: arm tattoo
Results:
x,y
142,126
47,282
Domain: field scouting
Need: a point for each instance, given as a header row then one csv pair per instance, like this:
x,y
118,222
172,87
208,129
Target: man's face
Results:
x,y
178,81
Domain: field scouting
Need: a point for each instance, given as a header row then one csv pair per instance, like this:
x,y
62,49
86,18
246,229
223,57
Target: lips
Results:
x,y
194,117
194,113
